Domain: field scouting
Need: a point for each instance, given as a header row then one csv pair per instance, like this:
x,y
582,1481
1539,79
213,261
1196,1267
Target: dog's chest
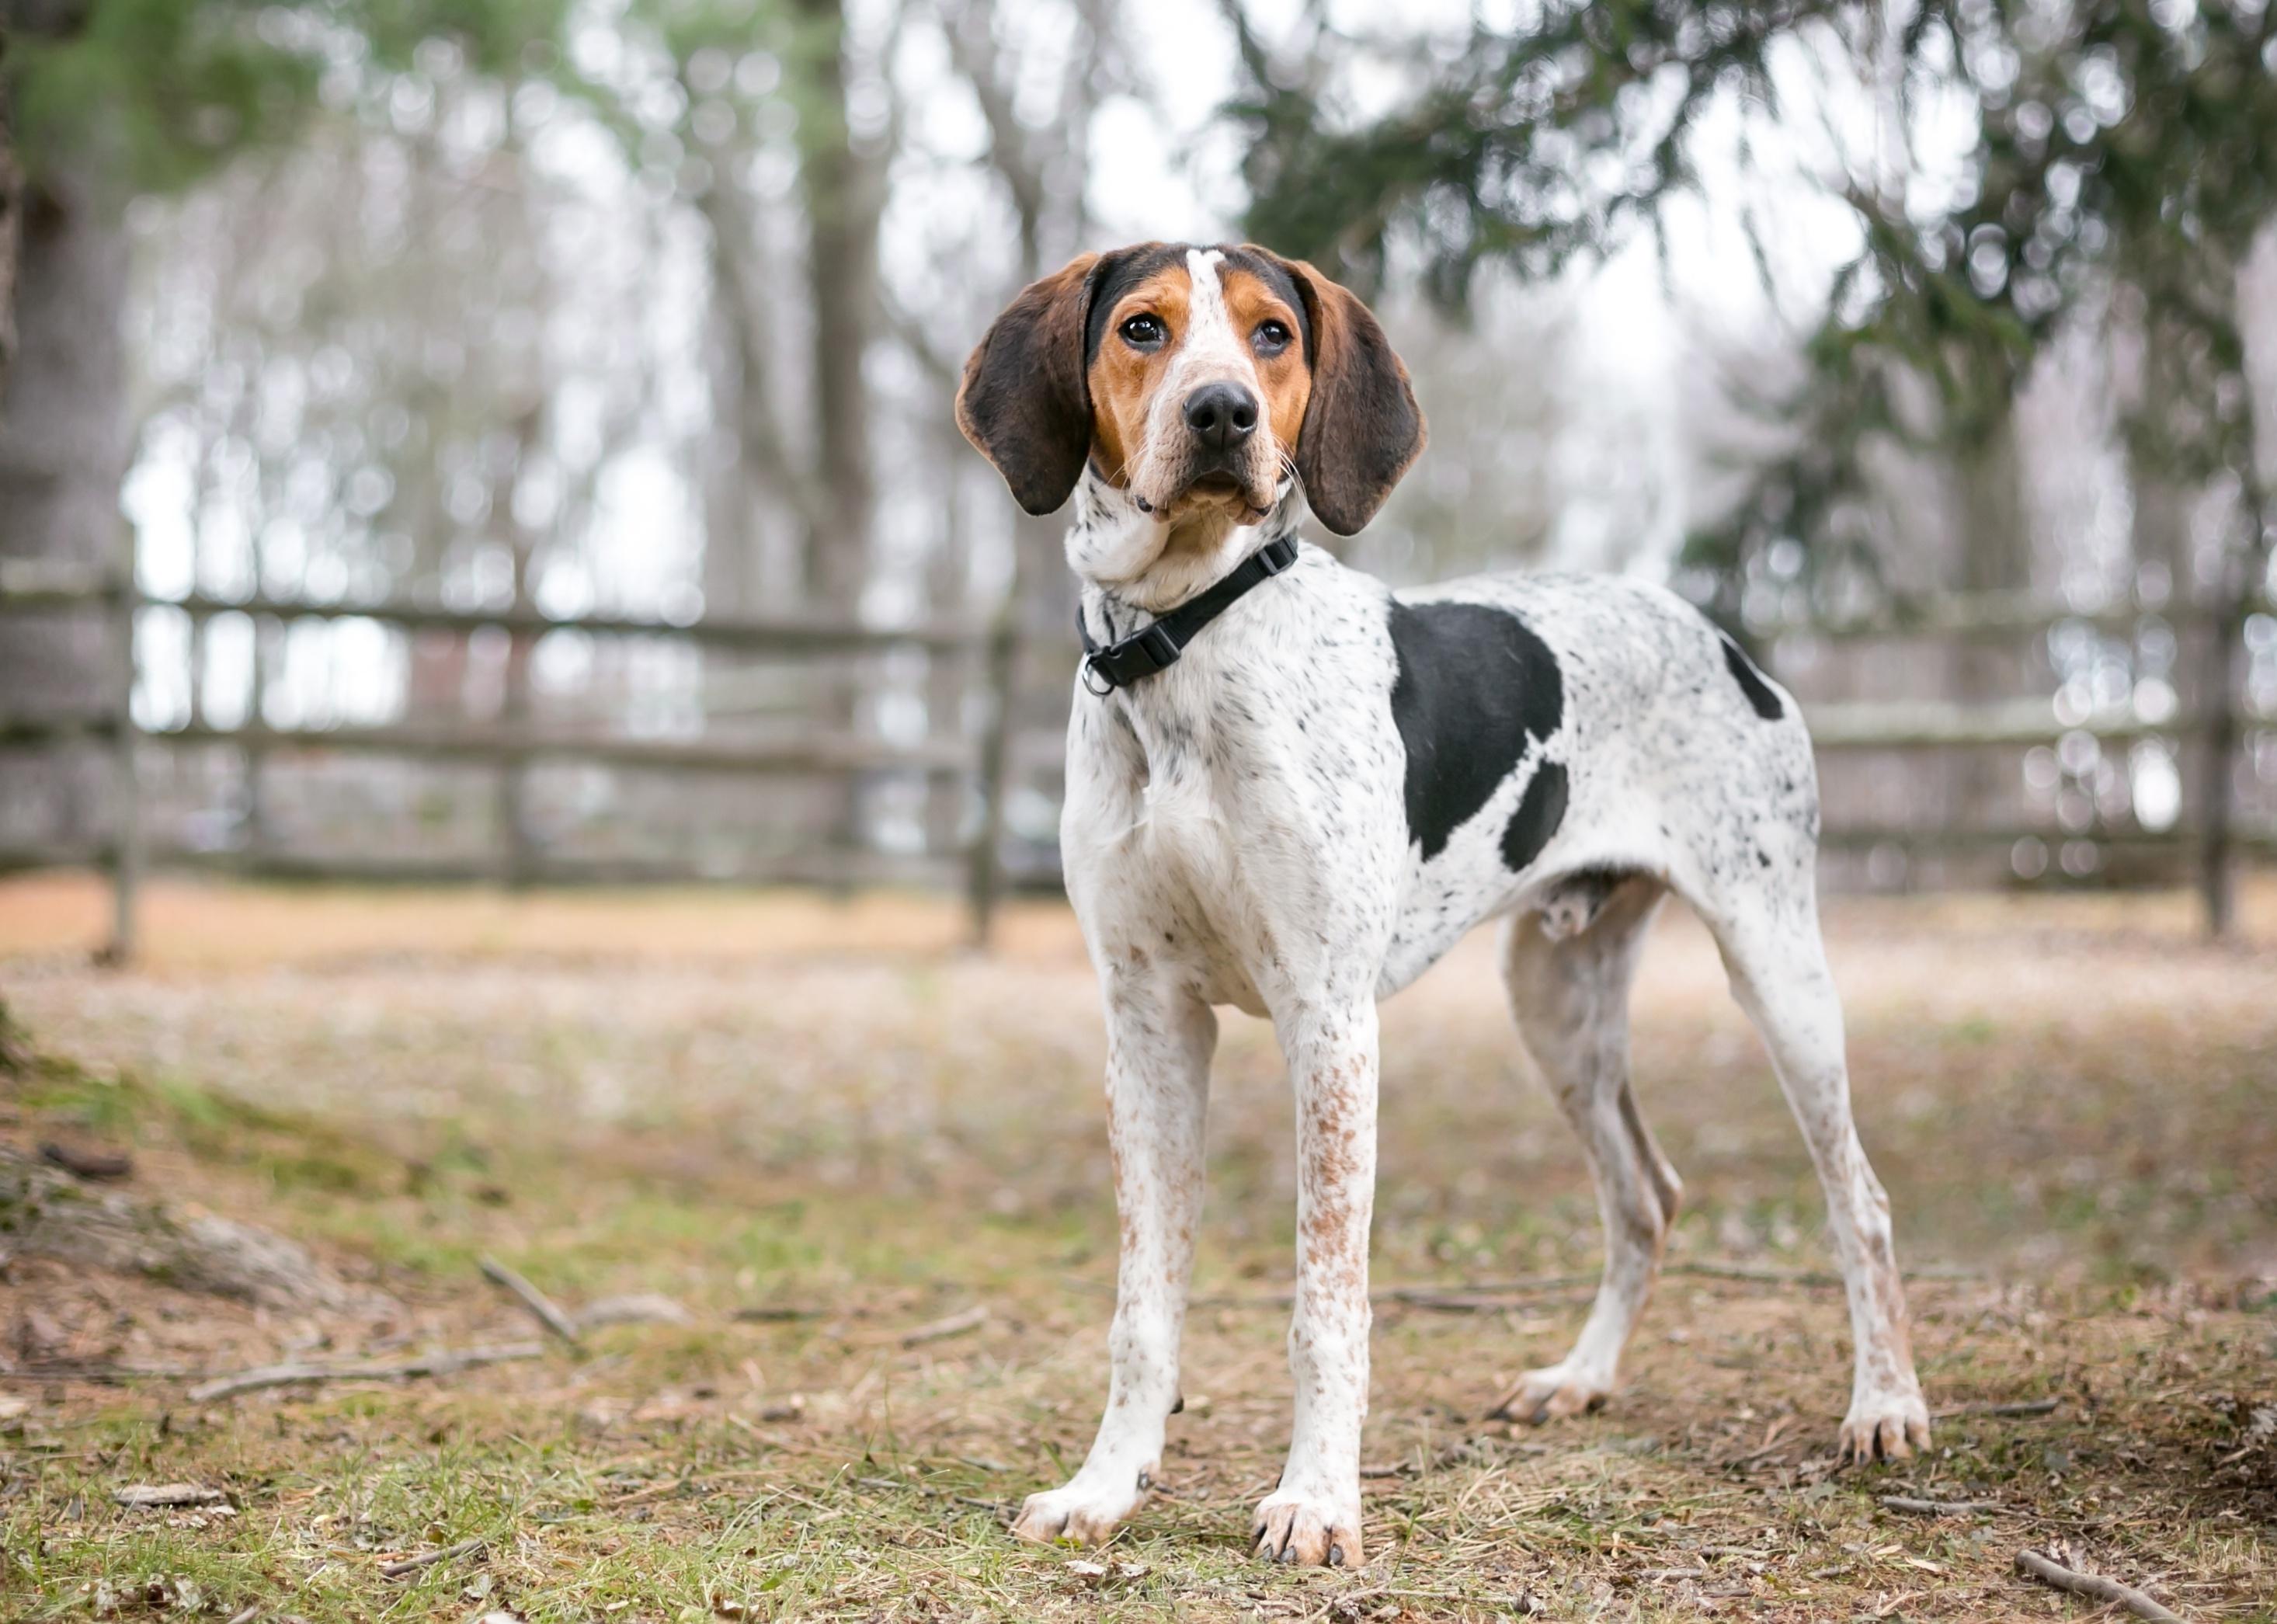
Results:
x,y
1246,821
1191,861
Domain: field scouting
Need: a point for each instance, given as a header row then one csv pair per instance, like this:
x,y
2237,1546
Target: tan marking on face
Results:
x,y
1282,382
1131,410
1125,380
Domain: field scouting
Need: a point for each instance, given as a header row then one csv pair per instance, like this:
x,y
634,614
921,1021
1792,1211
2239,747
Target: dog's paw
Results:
x,y
1552,1391
1885,1426
1084,1514
1309,1531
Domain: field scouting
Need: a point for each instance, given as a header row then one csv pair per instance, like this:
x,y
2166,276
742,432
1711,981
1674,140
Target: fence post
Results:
x,y
516,857
2216,880
260,830
985,880
126,789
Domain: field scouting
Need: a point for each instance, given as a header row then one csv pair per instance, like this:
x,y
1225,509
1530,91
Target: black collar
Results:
x,y
1157,647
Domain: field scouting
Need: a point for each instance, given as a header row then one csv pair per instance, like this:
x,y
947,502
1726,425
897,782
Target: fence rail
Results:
x,y
36,585
984,760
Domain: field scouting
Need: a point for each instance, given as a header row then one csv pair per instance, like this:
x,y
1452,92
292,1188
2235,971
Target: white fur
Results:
x,y
1235,832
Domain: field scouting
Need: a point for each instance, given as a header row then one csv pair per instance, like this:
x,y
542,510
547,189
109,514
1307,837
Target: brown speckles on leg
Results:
x,y
1332,1067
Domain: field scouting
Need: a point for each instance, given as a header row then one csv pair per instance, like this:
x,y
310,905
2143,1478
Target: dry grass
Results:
x,y
828,1112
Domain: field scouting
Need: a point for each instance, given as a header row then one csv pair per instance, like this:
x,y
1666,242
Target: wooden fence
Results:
x,y
980,758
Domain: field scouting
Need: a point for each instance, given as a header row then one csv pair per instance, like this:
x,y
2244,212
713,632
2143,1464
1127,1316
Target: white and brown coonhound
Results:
x,y
1291,790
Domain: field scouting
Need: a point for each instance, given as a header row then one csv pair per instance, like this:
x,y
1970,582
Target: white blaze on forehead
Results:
x,y
1208,351
1206,310
1210,341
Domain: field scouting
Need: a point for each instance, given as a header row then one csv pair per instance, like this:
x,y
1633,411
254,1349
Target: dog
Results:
x,y
1290,790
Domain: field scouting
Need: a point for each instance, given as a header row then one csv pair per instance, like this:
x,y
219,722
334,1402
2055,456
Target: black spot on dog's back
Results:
x,y
1539,810
1476,688
1751,683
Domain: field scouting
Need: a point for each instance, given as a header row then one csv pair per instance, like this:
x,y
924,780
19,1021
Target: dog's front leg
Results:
x,y
1314,1517
1158,1043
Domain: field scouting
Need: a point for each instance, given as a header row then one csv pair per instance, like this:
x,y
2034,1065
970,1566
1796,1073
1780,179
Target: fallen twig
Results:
x,y
1432,1294
1762,1273
88,1164
771,1314
428,1559
636,1309
148,1496
107,1374
1936,1508
1002,1508
540,1306
448,1361
1774,1440
955,1325
1488,1296
1466,1302
2033,1406
2094,1586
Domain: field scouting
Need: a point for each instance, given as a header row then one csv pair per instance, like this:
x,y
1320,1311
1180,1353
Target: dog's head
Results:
x,y
1196,380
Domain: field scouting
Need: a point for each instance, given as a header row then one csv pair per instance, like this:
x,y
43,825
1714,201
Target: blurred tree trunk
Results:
x,y
753,470
1027,159
842,186
63,286
11,194
62,454
62,443
843,183
62,423
2166,546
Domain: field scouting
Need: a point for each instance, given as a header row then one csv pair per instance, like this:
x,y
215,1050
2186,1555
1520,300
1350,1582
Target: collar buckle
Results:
x,y
1156,646
1155,642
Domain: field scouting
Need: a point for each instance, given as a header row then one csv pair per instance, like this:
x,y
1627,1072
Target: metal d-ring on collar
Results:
x,y
1156,647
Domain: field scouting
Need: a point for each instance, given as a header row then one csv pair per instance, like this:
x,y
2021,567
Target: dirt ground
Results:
x,y
870,1169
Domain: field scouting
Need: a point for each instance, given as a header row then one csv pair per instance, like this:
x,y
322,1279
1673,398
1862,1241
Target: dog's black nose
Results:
x,y
1222,415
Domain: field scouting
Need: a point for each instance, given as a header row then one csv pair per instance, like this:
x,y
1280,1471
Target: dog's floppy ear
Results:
x,y
1362,427
1024,403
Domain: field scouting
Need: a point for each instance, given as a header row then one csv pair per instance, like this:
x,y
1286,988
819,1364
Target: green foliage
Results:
x,y
158,93
1490,161
2128,144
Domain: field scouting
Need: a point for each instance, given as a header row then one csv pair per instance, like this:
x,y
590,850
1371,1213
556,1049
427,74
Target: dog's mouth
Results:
x,y
1224,490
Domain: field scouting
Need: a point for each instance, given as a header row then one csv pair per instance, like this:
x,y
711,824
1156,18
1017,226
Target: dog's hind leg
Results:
x,y
1570,993
1777,962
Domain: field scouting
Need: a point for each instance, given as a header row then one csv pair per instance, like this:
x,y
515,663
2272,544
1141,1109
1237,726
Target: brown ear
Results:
x,y
1024,403
1362,427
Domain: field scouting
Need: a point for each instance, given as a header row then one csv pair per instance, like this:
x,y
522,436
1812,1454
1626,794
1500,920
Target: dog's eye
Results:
x,y
1143,331
1272,337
